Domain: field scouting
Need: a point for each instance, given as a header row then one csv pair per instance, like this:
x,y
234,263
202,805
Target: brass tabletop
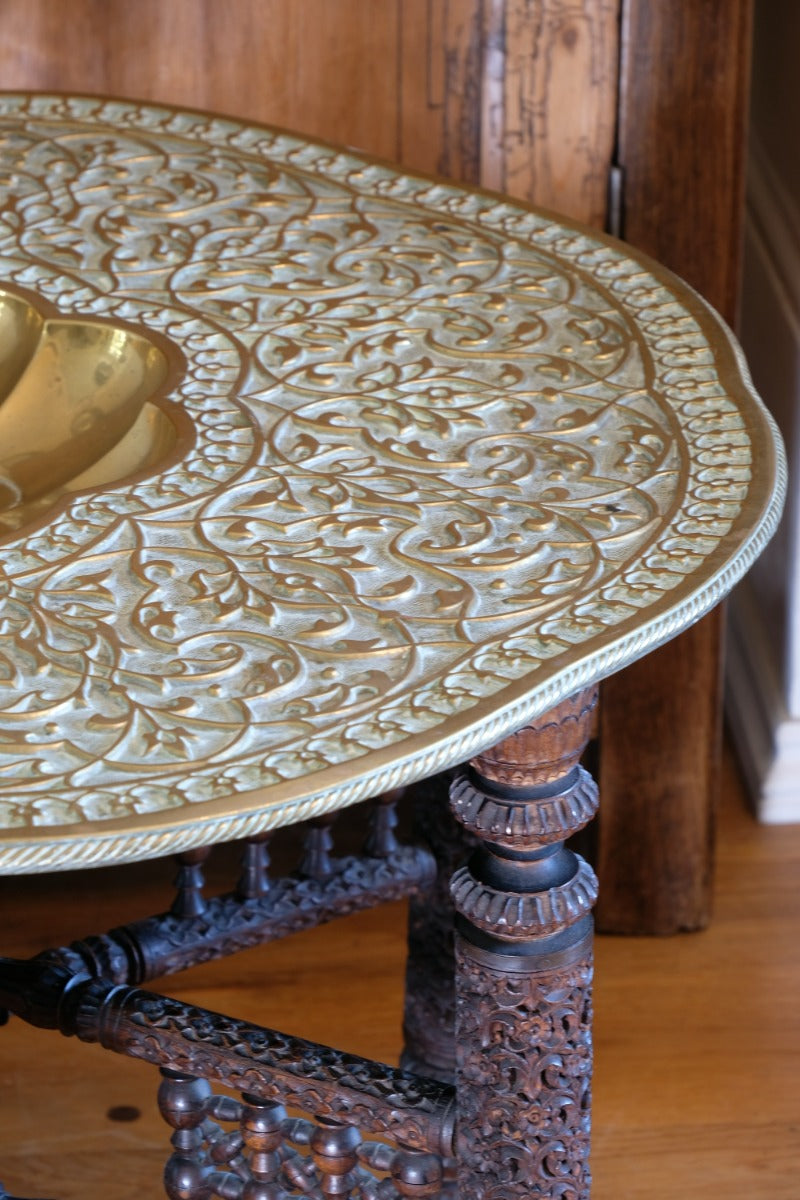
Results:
x,y
399,466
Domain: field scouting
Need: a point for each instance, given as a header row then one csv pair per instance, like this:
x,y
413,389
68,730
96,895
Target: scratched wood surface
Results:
x,y
698,1038
514,95
550,102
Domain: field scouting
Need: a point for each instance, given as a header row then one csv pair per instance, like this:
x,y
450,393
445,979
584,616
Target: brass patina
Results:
x,y
444,461
75,409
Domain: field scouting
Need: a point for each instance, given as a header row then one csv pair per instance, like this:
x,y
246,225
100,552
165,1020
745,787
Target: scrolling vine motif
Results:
x,y
440,443
525,1060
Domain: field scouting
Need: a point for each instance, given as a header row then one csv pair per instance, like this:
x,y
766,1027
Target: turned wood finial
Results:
x,y
254,880
381,840
317,846
334,1149
545,750
189,883
529,789
262,1132
417,1175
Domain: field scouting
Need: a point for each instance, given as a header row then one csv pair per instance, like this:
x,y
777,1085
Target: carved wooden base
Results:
x,y
269,1155
171,942
271,1070
515,1000
524,1075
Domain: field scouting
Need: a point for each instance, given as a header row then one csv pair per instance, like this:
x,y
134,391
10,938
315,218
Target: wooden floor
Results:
x,y
698,1037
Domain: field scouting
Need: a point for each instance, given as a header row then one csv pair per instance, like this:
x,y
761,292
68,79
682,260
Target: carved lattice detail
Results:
x,y
271,1156
163,944
412,1110
524,1063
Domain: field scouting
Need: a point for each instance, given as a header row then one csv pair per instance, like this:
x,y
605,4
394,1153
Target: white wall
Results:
x,y
764,646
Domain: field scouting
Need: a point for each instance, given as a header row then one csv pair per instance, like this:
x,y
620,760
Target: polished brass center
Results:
x,y
76,410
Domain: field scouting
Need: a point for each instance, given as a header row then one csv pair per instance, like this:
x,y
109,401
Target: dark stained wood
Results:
x,y
683,89
429,1012
659,756
332,873
524,963
682,1025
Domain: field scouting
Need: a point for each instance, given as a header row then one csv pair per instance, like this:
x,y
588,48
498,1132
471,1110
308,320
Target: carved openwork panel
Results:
x,y
449,460
196,1047
524,1071
271,1155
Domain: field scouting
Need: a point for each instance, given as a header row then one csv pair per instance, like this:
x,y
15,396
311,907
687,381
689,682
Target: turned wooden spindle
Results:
x,y
262,1132
189,883
334,1149
317,845
254,880
417,1176
183,1102
381,841
524,964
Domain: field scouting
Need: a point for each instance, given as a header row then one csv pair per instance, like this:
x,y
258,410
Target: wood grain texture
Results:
x,y
440,87
329,69
683,96
659,782
519,95
697,1038
550,102
684,90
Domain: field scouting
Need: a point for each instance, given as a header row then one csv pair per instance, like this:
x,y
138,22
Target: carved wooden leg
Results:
x,y
524,966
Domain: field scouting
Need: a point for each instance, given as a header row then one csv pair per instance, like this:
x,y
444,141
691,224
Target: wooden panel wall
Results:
x,y
551,102
323,67
684,93
513,94
683,105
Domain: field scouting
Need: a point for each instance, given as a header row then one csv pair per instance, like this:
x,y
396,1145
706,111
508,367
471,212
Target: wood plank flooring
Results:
x,y
697,1090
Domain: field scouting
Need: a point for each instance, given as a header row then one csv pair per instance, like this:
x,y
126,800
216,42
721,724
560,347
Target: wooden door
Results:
x,y
524,96
480,90
681,146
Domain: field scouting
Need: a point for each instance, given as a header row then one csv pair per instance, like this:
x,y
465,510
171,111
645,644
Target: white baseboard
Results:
x,y
766,737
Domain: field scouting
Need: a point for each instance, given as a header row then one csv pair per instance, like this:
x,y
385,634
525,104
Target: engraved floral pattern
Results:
x,y
452,460
524,1063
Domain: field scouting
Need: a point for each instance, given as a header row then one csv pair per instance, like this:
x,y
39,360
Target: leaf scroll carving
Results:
x,y
524,1062
446,449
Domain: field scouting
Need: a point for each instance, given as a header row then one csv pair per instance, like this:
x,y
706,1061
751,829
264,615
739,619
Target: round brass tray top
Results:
x,y
443,460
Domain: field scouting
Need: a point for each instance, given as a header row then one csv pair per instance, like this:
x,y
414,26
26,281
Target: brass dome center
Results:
x,y
76,408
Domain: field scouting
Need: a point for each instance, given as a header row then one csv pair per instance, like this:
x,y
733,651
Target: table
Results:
x,y
320,480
